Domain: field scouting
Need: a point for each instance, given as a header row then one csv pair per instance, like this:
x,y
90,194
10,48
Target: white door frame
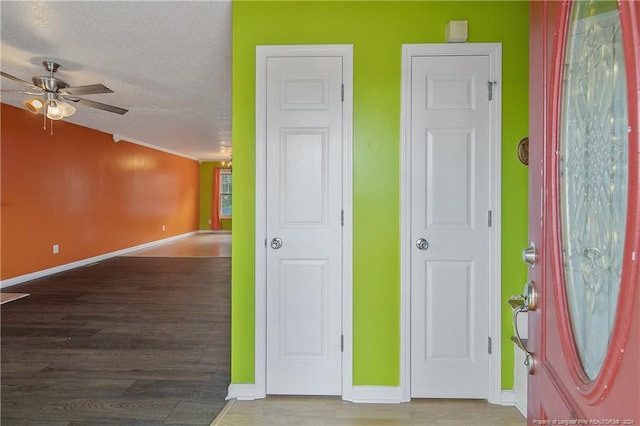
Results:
x,y
494,51
262,53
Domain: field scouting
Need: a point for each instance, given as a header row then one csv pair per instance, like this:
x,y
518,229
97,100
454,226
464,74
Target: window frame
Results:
x,y
223,173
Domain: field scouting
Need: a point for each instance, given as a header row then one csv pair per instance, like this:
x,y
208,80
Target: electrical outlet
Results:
x,y
163,228
56,249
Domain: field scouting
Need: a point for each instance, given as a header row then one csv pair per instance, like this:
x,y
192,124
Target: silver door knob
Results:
x,y
276,243
422,244
529,254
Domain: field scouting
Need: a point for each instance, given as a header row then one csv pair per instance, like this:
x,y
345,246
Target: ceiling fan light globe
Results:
x,y
33,105
54,113
66,109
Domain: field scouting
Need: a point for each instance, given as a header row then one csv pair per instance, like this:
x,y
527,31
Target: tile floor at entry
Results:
x,y
332,411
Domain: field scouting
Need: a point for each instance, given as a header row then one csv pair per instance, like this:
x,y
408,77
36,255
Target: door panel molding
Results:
x,y
494,52
262,53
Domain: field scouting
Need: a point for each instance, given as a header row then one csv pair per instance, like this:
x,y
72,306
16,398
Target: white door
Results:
x,y
450,203
303,225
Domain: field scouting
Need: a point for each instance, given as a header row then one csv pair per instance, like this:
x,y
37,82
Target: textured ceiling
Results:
x,y
168,63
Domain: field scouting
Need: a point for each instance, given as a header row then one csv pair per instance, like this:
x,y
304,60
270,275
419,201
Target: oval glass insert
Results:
x,y
593,175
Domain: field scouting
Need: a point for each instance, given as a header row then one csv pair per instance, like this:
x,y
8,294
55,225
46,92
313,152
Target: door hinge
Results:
x,y
490,84
342,93
342,343
341,217
489,219
489,345
265,242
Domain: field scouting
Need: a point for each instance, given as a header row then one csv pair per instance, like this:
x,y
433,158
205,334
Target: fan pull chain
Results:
x,y
44,121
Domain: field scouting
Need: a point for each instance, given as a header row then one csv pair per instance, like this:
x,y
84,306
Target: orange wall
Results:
x,y
81,190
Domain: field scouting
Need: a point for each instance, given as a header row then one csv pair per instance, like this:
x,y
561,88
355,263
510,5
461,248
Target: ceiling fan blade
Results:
x,y
90,89
98,105
21,81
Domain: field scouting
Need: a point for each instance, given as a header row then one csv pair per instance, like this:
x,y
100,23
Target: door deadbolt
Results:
x,y
529,255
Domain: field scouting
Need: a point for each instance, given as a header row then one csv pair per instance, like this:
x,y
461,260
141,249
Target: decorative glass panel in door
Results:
x,y
593,175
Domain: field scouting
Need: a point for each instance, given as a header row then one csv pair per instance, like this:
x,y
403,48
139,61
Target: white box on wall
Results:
x,y
457,31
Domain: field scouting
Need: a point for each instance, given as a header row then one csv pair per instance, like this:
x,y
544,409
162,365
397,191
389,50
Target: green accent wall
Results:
x,y
206,195
377,31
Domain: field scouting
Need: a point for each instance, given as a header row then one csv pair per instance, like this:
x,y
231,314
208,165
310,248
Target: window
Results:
x,y
225,193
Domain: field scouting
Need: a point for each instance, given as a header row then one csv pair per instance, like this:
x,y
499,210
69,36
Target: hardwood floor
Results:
x,y
130,340
205,244
332,411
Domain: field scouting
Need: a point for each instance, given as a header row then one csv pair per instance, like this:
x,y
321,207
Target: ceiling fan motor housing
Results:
x,y
49,84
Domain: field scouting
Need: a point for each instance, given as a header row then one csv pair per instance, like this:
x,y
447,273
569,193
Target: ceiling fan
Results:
x,y
54,96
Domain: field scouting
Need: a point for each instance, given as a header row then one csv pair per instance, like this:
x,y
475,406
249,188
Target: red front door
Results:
x,y
584,212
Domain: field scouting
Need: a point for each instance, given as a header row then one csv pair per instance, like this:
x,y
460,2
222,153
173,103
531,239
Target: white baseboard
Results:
x,y
521,376
84,262
361,394
242,391
511,398
508,398
377,395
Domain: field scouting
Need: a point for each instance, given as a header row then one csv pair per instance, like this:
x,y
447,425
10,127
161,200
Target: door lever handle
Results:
x,y
519,341
523,303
